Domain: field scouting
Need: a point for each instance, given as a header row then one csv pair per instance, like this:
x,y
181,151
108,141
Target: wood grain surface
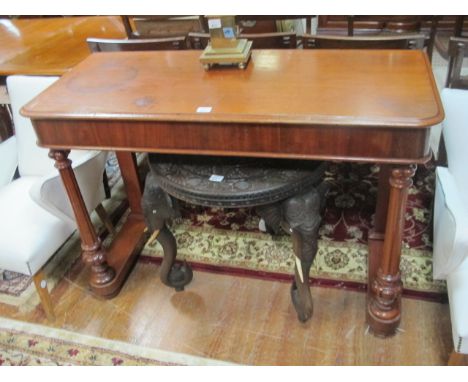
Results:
x,y
387,88
51,46
245,320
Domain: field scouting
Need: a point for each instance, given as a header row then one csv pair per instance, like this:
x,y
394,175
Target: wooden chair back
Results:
x,y
198,40
399,25
114,45
138,27
277,40
129,30
391,24
243,20
412,41
458,50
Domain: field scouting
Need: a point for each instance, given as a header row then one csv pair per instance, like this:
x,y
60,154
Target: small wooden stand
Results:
x,y
238,56
224,48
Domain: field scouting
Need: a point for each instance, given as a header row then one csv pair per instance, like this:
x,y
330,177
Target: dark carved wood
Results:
x,y
246,181
383,313
302,216
159,208
93,254
284,191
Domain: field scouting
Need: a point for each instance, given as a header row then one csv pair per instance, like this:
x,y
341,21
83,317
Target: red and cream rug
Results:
x,y
25,344
228,240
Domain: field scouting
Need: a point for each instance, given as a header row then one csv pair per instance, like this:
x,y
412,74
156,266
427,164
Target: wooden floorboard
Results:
x,y
246,320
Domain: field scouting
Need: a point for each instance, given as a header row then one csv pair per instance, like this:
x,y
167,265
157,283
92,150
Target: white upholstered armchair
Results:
x,y
451,218
35,215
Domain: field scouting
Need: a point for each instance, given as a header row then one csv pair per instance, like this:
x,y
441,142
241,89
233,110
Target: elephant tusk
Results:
x,y
153,236
299,268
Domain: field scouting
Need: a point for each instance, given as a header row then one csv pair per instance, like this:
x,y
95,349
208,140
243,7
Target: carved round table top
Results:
x,y
233,181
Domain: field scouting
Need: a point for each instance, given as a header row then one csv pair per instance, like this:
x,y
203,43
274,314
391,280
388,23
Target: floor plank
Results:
x,y
246,320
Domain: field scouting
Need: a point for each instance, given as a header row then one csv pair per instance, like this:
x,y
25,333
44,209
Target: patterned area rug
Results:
x,y
229,240
24,344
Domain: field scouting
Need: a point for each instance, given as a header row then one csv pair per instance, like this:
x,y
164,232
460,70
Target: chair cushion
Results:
x,y
32,159
457,287
456,136
29,235
450,225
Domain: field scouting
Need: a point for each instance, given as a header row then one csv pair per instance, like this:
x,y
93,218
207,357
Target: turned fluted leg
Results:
x,y
377,233
93,254
384,304
158,209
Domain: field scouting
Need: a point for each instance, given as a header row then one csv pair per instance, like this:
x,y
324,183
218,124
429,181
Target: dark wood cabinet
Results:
x,y
368,24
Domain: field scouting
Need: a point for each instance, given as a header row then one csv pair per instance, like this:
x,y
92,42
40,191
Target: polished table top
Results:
x,y
51,46
313,104
327,87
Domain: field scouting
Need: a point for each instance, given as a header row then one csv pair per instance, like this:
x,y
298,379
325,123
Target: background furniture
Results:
x,y
457,51
269,23
455,26
451,219
363,42
389,24
374,121
46,46
36,214
198,40
279,40
375,24
113,45
276,40
162,26
169,26
51,46
384,25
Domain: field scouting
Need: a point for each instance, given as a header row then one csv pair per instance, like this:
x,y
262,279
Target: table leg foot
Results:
x,y
384,307
94,257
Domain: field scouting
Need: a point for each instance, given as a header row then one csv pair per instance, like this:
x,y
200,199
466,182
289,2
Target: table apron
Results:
x,y
369,144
